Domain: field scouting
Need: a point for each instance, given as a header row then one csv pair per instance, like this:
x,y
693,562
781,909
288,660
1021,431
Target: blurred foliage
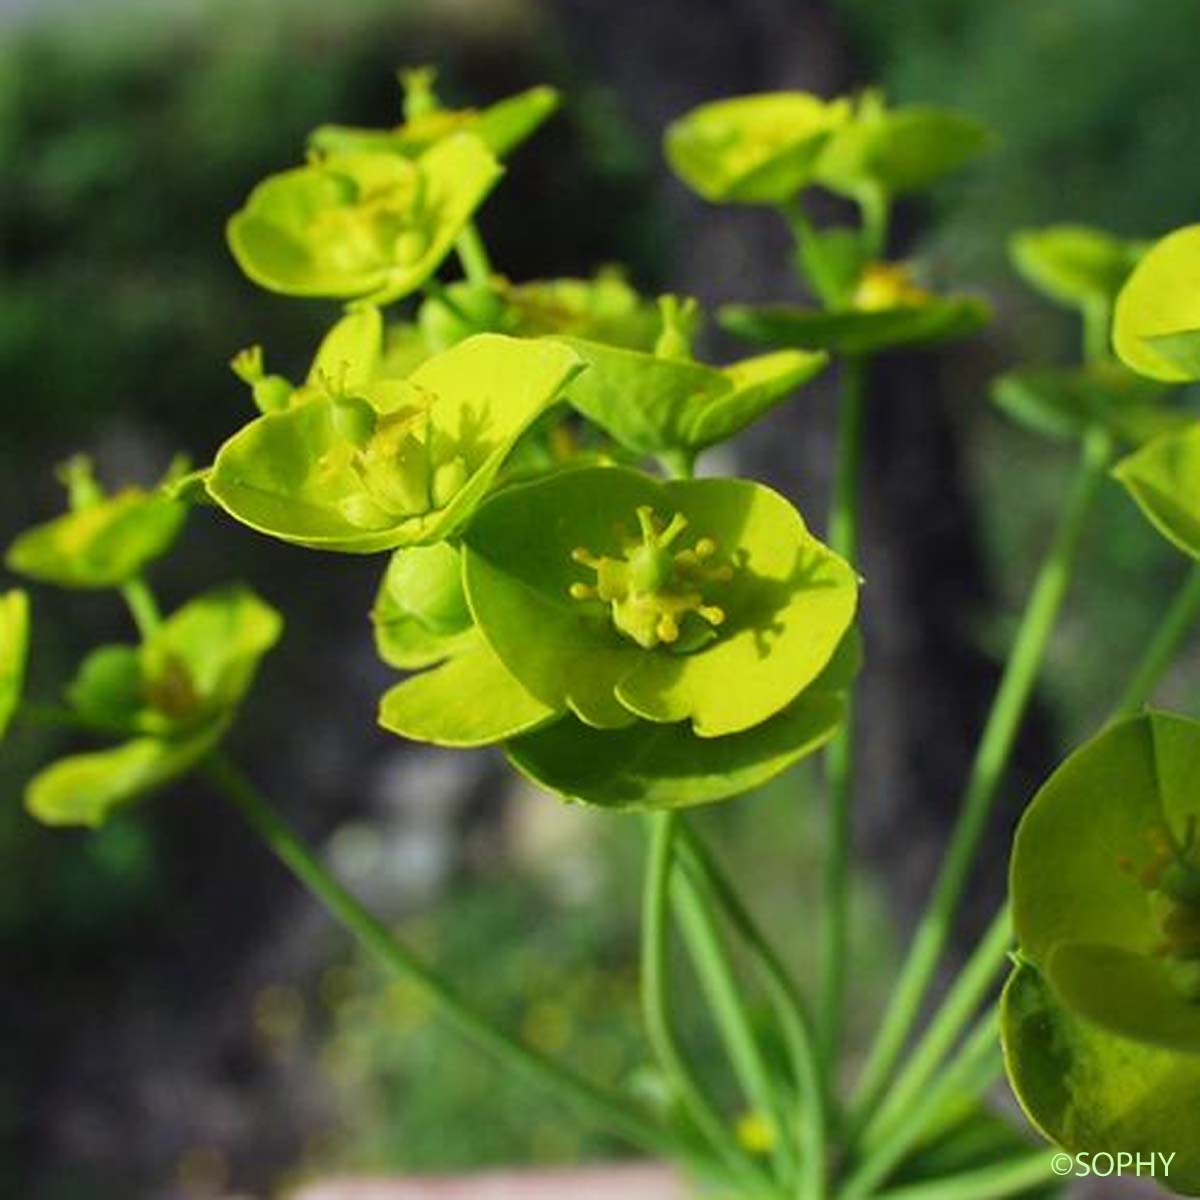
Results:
x,y
1092,101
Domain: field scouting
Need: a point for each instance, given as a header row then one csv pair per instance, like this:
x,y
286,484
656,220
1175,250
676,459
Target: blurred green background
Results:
x,y
178,1021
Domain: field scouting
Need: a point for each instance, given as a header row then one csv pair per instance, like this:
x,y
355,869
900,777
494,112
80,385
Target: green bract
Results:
x,y
1090,1090
175,695
14,649
604,309
1106,882
619,597
397,462
501,126
470,699
1074,265
1065,402
349,357
1164,478
759,149
898,150
866,331
420,614
105,540
667,766
1156,328
361,224
655,404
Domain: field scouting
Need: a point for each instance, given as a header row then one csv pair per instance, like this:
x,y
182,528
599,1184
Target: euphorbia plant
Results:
x,y
637,639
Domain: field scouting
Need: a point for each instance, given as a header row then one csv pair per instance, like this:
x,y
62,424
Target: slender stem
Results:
x,y
142,606
839,759
789,1009
731,1015
435,291
955,1013
619,1116
1160,653
876,207
1010,1178
656,1004
973,1069
990,954
1097,323
474,256
995,746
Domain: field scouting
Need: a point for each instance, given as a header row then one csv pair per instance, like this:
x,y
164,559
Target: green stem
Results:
x,y
995,746
142,606
1179,619
839,759
973,1069
955,1013
876,208
788,1005
657,1011
730,1014
435,291
1011,1178
989,956
1097,323
618,1116
474,256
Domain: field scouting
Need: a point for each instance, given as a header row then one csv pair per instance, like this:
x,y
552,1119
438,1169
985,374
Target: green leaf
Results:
x,y
652,404
1156,324
1101,870
420,614
1065,402
898,150
759,149
369,225
469,700
648,766
104,542
1074,265
1163,477
502,127
786,600
85,789
439,443
908,325
1091,1091
14,650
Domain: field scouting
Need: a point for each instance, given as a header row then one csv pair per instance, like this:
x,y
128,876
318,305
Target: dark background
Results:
x,y
175,1018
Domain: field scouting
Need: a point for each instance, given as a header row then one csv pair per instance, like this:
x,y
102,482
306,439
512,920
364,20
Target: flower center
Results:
x,y
381,221
1172,877
888,285
403,470
654,593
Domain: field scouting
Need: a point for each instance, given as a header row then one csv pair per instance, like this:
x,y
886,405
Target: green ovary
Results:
x,y
402,471
655,594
